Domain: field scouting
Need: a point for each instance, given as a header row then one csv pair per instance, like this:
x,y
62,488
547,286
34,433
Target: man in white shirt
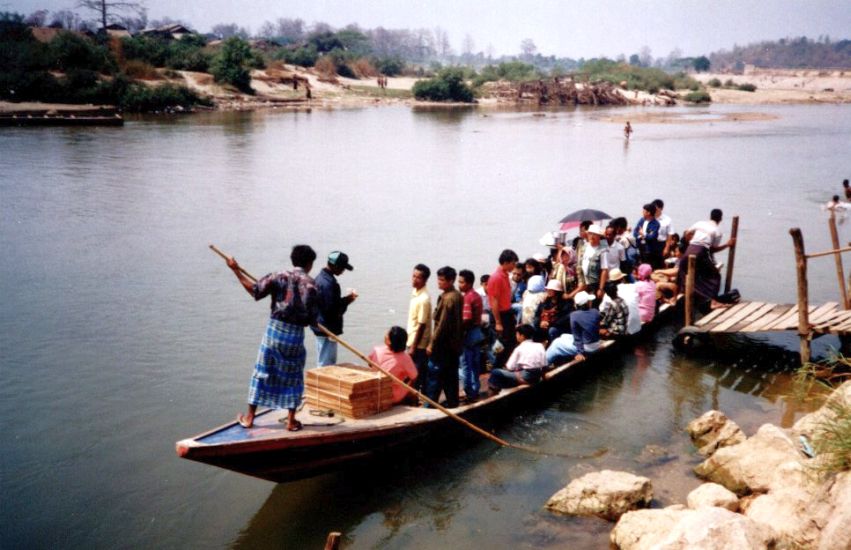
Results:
x,y
666,227
704,240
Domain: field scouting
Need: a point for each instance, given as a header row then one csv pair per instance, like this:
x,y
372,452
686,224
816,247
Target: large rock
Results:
x,y
714,430
836,534
712,494
677,529
607,494
751,466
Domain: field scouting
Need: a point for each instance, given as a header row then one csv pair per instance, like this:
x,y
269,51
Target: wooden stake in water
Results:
x,y
837,256
803,298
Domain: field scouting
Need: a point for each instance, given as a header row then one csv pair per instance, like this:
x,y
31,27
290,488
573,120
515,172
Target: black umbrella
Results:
x,y
575,218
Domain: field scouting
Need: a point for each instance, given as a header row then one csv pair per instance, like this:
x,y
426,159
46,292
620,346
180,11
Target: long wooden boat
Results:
x,y
268,451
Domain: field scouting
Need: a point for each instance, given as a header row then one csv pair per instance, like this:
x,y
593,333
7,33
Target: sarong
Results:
x,y
278,379
707,279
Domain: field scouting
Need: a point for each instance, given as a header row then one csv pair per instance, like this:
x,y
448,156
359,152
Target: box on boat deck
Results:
x,y
350,390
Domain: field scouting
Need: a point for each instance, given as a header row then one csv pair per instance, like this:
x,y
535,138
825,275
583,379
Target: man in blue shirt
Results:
x,y
332,306
585,332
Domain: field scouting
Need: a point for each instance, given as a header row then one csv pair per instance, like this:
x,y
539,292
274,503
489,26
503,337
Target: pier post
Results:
x,y
803,299
731,255
692,261
837,256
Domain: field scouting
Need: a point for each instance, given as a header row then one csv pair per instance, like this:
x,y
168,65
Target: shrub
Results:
x,y
729,83
516,71
448,85
390,66
70,51
326,66
700,96
140,98
136,68
303,57
229,65
714,83
363,68
746,87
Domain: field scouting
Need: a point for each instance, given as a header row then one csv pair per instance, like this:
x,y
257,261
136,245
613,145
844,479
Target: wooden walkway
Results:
x,y
749,317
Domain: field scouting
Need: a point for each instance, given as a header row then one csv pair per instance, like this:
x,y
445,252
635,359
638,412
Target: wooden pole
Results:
x,y
828,252
731,255
692,261
803,299
840,271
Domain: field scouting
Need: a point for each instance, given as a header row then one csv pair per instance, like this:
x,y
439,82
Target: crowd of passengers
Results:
x,y
548,309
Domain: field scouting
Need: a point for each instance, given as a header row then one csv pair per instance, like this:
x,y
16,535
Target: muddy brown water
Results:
x,y
121,333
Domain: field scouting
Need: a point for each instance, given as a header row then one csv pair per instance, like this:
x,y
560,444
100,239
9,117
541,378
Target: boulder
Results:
x,y
677,529
712,494
751,466
836,534
713,430
607,494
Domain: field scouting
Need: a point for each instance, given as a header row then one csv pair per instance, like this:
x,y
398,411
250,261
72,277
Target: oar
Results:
x,y
422,396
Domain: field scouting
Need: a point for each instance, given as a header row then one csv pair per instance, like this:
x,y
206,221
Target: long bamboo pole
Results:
x,y
689,307
837,257
803,299
829,252
397,380
731,255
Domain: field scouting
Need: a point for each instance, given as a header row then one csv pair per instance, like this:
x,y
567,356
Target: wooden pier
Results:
x,y
755,317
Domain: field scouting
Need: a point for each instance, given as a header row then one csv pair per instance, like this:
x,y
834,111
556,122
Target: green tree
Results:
x,y
230,66
448,85
701,64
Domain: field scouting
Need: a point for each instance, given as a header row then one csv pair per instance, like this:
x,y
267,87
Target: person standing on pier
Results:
x,y
666,229
499,296
444,350
419,323
278,379
332,306
704,240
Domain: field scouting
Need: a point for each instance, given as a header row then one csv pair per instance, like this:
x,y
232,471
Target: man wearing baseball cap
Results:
x,y
585,332
332,306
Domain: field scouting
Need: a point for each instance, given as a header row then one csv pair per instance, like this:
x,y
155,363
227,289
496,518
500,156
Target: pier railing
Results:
x,y
805,331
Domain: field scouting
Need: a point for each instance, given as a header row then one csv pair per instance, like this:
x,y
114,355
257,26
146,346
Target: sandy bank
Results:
x,y
779,86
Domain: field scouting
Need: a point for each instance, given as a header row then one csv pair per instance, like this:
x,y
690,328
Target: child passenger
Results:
x,y
646,290
392,358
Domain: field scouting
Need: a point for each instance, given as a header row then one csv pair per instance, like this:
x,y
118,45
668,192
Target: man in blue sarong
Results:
x,y
278,379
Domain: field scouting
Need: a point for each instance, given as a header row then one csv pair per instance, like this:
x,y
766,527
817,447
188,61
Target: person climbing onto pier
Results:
x,y
704,240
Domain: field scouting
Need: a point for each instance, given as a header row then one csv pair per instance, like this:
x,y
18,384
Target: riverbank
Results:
x,y
288,87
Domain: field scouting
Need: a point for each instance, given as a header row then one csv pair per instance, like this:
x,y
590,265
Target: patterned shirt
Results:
x,y
615,317
293,293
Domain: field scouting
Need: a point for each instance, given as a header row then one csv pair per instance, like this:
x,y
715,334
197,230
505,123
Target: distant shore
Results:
x,y
274,90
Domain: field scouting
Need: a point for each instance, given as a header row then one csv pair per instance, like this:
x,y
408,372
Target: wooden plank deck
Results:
x,y
751,317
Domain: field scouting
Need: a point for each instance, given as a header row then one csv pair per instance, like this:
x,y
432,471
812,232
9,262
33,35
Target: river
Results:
x,y
122,333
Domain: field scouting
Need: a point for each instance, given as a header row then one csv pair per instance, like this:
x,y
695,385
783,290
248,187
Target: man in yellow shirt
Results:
x,y
419,323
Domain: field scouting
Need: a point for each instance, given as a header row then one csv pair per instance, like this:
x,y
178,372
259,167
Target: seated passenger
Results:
x,y
585,329
666,284
552,318
392,358
525,366
532,298
614,313
646,290
630,297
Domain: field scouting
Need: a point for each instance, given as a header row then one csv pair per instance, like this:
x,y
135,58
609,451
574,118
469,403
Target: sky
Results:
x,y
565,28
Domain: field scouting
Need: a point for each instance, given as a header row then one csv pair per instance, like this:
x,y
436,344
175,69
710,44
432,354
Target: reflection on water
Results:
x,y
121,333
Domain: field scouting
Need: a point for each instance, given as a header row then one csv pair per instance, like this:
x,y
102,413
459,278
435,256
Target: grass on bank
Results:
x,y
832,437
373,91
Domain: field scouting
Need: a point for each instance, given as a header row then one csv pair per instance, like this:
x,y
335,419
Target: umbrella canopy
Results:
x,y
575,218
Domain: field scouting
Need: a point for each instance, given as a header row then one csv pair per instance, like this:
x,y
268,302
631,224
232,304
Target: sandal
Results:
x,y
297,427
240,419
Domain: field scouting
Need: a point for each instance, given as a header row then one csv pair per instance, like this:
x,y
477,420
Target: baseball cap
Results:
x,y
339,259
581,298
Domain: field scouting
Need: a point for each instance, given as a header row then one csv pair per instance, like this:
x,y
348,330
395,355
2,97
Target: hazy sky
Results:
x,y
577,28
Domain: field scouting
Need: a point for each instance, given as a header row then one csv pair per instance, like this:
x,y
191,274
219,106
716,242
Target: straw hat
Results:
x,y
615,275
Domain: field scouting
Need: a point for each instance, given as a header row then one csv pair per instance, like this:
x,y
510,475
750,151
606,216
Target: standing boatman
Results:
x,y
332,306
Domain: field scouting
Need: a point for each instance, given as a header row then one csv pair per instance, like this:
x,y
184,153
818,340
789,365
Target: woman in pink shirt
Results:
x,y
646,290
392,358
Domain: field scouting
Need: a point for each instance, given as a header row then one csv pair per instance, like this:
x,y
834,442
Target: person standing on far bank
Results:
x,y
278,379
332,306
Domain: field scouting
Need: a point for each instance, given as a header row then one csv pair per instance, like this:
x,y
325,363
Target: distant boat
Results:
x,y
268,451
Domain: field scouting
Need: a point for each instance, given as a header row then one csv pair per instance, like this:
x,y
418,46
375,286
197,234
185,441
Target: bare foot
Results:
x,y
718,305
245,421
294,426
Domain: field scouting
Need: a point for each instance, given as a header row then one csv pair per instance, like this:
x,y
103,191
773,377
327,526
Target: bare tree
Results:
x,y
441,42
37,18
645,56
66,19
266,30
226,30
468,45
528,47
290,30
490,50
165,21
110,10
